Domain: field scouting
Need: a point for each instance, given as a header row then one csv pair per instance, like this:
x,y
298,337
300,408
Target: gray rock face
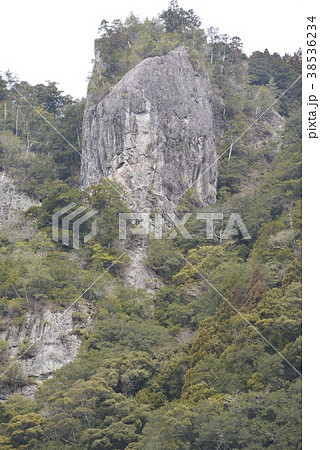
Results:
x,y
136,274
56,338
155,133
11,199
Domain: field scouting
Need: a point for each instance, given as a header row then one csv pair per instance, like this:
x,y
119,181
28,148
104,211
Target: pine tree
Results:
x,y
237,297
257,288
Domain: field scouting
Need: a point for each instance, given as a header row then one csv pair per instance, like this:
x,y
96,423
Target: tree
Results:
x,y
260,68
162,258
50,97
237,297
26,431
177,19
257,289
105,198
3,90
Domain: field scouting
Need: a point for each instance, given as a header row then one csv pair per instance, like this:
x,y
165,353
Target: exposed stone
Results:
x,y
155,133
56,337
136,274
11,199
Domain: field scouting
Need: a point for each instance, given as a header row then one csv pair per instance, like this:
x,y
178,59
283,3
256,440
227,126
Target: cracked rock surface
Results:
x,y
155,133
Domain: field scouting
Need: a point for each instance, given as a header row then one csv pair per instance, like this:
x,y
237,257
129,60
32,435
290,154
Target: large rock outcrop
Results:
x,y
155,133
57,338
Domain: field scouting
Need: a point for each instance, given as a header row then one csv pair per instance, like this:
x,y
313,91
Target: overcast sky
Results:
x,y
53,40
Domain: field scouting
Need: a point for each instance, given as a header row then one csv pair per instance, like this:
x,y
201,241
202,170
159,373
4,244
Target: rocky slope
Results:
x,y
57,340
155,133
12,200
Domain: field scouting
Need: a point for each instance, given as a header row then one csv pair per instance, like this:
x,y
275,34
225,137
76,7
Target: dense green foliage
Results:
x,y
31,149
179,369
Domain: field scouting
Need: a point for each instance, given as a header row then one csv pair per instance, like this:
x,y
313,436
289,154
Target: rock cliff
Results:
x,y
57,341
155,133
11,199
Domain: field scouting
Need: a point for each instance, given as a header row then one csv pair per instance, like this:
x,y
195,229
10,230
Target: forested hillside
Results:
x,y
180,368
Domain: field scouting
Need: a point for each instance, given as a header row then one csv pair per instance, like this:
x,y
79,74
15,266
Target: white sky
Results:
x,y
53,40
